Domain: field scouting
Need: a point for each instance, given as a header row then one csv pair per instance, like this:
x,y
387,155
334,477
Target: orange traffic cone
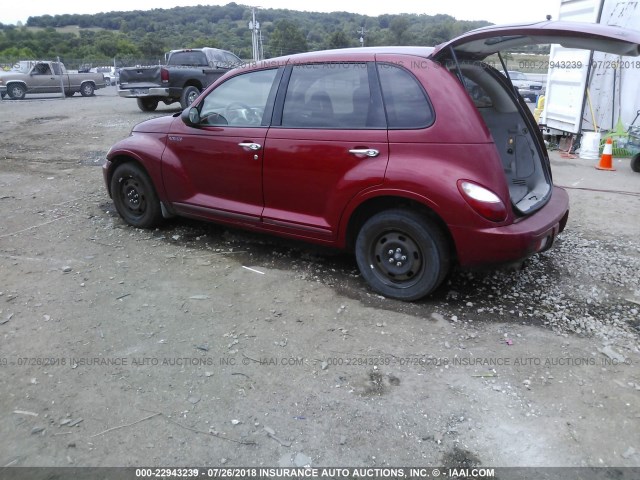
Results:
x,y
606,160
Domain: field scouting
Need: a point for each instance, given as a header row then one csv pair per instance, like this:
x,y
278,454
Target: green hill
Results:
x,y
144,36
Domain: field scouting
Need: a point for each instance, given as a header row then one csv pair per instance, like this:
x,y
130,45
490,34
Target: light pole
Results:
x,y
362,32
256,37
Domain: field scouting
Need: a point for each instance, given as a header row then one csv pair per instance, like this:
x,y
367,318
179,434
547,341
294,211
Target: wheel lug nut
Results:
x,y
404,257
390,252
398,250
391,260
399,264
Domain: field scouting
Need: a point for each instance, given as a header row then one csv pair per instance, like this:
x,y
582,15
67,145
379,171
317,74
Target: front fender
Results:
x,y
144,148
21,82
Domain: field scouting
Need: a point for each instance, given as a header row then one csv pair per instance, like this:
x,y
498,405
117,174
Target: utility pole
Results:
x,y
256,36
362,32
61,78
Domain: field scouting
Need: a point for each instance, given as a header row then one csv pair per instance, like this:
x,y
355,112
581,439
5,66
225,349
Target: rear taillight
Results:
x,y
483,201
164,74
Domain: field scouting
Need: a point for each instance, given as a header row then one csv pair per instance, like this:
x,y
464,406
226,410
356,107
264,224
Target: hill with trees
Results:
x,y
144,36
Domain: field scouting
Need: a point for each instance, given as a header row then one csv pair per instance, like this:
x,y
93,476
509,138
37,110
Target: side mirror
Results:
x,y
190,116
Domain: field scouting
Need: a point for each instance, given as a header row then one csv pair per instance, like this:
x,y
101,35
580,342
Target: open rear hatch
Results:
x,y
508,118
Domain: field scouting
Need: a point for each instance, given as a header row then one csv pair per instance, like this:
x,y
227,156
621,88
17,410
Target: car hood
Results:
x,y
481,43
155,125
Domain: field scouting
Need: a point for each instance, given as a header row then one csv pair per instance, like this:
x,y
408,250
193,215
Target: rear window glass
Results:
x,y
195,59
405,101
477,94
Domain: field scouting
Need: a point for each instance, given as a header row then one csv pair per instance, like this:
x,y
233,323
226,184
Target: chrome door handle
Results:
x,y
250,146
367,152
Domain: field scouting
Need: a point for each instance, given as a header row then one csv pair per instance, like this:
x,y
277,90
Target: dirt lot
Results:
x,y
125,347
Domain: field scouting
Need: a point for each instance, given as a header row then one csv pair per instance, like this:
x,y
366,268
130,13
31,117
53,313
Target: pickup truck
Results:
x,y
187,72
47,77
529,89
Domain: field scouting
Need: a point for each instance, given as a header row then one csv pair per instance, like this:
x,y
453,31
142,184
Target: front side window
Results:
x,y
240,101
405,101
42,69
230,60
331,95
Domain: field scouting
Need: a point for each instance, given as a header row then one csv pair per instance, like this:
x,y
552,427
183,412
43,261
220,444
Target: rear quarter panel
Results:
x,y
201,77
75,80
427,163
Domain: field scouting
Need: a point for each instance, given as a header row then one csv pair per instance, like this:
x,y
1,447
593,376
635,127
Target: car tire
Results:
x,y
189,94
147,104
87,89
635,162
402,254
134,196
16,91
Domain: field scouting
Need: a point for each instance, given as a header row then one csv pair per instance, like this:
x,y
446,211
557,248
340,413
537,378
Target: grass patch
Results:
x,y
525,63
73,29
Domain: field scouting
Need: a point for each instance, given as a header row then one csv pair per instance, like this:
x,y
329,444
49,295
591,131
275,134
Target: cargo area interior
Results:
x,y
528,179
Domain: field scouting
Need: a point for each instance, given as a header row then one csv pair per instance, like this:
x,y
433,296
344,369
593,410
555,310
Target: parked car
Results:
x,y
529,89
110,74
381,151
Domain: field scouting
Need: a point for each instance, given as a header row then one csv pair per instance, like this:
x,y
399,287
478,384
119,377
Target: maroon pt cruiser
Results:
x,y
414,158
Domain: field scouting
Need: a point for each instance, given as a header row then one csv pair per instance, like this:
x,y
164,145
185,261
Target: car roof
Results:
x,y
202,49
349,54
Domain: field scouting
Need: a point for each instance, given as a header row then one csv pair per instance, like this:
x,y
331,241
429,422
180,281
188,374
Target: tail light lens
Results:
x,y
483,201
164,74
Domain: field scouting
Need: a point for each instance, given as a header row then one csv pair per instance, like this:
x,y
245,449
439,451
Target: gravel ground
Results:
x,y
222,365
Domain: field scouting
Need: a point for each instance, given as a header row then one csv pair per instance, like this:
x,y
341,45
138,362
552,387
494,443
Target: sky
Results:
x,y
495,11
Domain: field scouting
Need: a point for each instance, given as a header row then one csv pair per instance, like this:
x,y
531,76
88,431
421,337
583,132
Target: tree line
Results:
x,y
144,36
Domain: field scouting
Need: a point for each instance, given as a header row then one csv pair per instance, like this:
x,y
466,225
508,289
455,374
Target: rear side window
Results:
x,y
331,95
405,101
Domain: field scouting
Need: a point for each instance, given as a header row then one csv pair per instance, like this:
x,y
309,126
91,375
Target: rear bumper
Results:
x,y
143,92
515,242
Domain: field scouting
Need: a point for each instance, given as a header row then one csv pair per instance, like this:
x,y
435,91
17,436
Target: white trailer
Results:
x,y
583,87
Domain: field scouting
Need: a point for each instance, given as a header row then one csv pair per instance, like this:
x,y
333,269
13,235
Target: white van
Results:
x,y
110,74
